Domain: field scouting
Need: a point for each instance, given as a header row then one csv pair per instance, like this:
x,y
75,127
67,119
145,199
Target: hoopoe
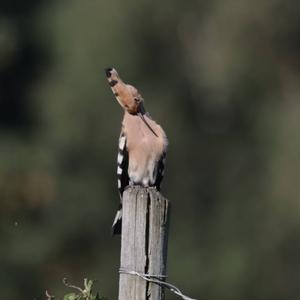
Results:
x,y
142,143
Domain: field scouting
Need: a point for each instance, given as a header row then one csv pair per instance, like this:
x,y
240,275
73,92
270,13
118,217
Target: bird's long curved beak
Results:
x,y
146,123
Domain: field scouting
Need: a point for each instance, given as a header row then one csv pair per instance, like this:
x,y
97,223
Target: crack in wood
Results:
x,y
147,237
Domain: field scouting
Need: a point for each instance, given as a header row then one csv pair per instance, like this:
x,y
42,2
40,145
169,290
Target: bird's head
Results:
x,y
127,95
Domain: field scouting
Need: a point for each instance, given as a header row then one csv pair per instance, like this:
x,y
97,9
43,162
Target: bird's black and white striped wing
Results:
x,y
123,181
160,170
122,170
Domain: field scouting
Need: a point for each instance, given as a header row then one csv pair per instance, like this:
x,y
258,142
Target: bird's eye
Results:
x,y
137,100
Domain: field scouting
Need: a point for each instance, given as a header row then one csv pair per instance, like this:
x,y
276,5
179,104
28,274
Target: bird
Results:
x,y
142,143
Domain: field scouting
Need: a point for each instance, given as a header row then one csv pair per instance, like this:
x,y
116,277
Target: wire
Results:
x,y
157,279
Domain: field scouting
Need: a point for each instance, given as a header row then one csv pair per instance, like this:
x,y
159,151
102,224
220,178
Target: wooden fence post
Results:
x,y
144,242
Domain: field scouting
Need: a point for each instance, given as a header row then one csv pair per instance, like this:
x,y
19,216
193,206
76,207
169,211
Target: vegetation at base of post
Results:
x,y
81,294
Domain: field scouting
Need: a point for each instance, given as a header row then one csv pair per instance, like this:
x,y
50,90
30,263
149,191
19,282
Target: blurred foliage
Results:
x,y
223,79
81,294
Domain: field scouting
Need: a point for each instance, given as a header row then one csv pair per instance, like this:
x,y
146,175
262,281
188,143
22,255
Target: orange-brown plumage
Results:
x,y
142,143
127,95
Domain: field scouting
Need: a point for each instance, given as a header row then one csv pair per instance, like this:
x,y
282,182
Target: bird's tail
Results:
x,y
117,224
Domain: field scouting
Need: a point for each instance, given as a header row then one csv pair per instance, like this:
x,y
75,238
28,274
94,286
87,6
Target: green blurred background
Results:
x,y
223,79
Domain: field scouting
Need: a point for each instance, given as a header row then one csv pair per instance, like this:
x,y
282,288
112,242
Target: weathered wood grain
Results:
x,y
144,242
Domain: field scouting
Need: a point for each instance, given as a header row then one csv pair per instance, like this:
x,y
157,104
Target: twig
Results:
x,y
66,283
49,297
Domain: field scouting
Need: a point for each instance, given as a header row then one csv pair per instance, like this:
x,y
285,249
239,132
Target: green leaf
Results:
x,y
70,296
88,284
97,297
